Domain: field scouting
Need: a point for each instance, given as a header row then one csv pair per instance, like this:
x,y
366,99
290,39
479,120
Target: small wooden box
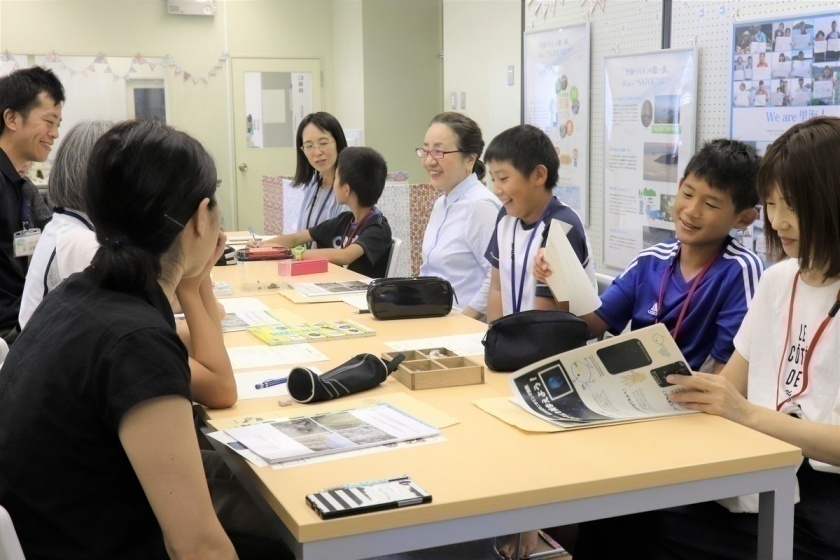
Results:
x,y
436,367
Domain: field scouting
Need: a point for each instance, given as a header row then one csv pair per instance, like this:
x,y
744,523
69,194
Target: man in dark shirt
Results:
x,y
30,106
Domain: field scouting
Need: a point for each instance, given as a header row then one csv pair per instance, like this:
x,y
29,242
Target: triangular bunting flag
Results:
x,y
92,68
178,70
187,76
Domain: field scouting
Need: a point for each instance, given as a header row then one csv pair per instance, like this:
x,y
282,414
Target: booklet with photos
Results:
x,y
329,432
619,379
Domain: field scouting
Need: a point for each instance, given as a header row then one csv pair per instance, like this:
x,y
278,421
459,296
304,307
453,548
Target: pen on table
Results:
x,y
254,237
271,382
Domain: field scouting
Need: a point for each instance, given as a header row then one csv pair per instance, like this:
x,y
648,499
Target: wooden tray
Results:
x,y
434,368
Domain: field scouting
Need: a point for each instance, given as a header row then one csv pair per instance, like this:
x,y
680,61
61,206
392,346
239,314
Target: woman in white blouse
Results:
x,y
464,217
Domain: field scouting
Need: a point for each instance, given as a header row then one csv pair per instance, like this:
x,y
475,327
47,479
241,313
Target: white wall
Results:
x,y
481,38
348,33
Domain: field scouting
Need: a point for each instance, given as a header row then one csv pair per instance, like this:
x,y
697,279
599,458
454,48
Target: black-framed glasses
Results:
x,y
436,154
322,145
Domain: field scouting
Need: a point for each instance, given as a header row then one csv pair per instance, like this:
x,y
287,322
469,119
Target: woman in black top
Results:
x,y
98,454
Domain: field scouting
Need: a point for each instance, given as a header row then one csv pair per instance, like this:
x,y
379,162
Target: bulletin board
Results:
x,y
649,131
615,27
710,26
556,100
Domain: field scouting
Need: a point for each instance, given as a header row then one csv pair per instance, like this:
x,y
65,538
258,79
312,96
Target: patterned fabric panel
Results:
x,y
422,201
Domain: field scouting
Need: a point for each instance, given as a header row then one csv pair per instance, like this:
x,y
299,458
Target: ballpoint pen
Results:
x,y
270,382
254,237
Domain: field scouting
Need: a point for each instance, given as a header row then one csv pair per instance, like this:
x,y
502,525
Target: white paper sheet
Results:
x,y
243,305
247,357
461,344
568,280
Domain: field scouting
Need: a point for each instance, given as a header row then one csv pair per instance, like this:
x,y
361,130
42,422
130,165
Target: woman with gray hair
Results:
x,y
68,242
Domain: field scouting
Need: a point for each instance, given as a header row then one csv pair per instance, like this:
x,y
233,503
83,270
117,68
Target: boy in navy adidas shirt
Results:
x,y
701,283
524,166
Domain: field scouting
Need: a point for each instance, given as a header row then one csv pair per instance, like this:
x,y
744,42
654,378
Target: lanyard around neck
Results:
x,y
345,241
810,350
329,195
517,302
694,284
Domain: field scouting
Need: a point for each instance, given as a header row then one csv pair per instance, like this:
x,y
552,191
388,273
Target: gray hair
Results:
x,y
67,177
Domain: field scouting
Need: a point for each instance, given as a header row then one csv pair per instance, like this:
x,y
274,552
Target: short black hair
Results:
x,y
304,172
525,147
19,91
364,170
145,181
730,166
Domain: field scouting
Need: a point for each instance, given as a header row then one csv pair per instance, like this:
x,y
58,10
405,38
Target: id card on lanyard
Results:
x,y
25,240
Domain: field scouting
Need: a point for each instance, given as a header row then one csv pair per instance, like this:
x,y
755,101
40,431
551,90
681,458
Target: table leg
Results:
x,y
775,521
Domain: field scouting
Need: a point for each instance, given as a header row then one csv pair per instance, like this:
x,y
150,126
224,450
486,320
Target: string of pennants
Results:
x,y
53,59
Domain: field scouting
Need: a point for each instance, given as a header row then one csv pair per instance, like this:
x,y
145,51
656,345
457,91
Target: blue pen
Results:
x,y
251,230
270,382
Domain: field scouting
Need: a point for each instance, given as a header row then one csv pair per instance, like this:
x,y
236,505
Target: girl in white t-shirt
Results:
x,y
784,377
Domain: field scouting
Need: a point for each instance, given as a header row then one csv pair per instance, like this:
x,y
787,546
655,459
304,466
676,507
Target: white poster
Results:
x,y
802,83
556,100
649,129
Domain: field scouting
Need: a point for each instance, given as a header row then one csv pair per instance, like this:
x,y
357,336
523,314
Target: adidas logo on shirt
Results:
x,y
654,310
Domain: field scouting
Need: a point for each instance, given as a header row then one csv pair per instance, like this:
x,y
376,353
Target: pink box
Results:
x,y
291,267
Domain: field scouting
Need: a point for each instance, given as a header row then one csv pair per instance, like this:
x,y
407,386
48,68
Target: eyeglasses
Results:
x,y
322,145
436,154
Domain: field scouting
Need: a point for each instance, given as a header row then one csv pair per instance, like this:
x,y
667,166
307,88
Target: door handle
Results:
x,y
243,167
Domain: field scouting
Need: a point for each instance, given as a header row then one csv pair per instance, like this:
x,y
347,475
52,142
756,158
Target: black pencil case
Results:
x,y
409,298
520,339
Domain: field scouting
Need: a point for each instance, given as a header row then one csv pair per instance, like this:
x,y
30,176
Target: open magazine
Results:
x,y
616,380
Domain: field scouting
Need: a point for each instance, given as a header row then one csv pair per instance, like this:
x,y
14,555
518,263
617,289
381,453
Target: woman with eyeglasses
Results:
x,y
464,217
320,139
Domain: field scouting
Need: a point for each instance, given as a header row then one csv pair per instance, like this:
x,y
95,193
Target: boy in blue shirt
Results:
x,y
701,283
524,166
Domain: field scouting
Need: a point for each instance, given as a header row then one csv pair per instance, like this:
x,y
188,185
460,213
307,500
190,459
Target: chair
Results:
x,y
604,281
9,543
394,258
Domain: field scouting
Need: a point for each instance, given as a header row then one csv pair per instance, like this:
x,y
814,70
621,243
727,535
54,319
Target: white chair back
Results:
x,y
9,543
394,259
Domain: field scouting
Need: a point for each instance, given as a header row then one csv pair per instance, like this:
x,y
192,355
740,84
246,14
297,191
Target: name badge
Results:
x,y
25,242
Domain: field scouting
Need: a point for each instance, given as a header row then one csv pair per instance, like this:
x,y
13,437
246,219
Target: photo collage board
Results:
x,y
784,71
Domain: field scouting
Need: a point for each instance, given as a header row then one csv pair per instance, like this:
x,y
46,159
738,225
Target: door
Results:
x,y
270,97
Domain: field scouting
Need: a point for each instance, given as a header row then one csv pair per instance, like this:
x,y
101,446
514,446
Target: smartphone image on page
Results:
x,y
624,356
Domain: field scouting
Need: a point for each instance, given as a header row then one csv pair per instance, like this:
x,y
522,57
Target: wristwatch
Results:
x,y
298,252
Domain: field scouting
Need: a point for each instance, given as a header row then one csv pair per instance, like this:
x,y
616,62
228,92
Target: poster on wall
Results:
x,y
556,100
784,71
650,106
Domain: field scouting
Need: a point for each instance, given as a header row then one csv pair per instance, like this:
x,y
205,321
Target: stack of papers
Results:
x,y
318,289
329,432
